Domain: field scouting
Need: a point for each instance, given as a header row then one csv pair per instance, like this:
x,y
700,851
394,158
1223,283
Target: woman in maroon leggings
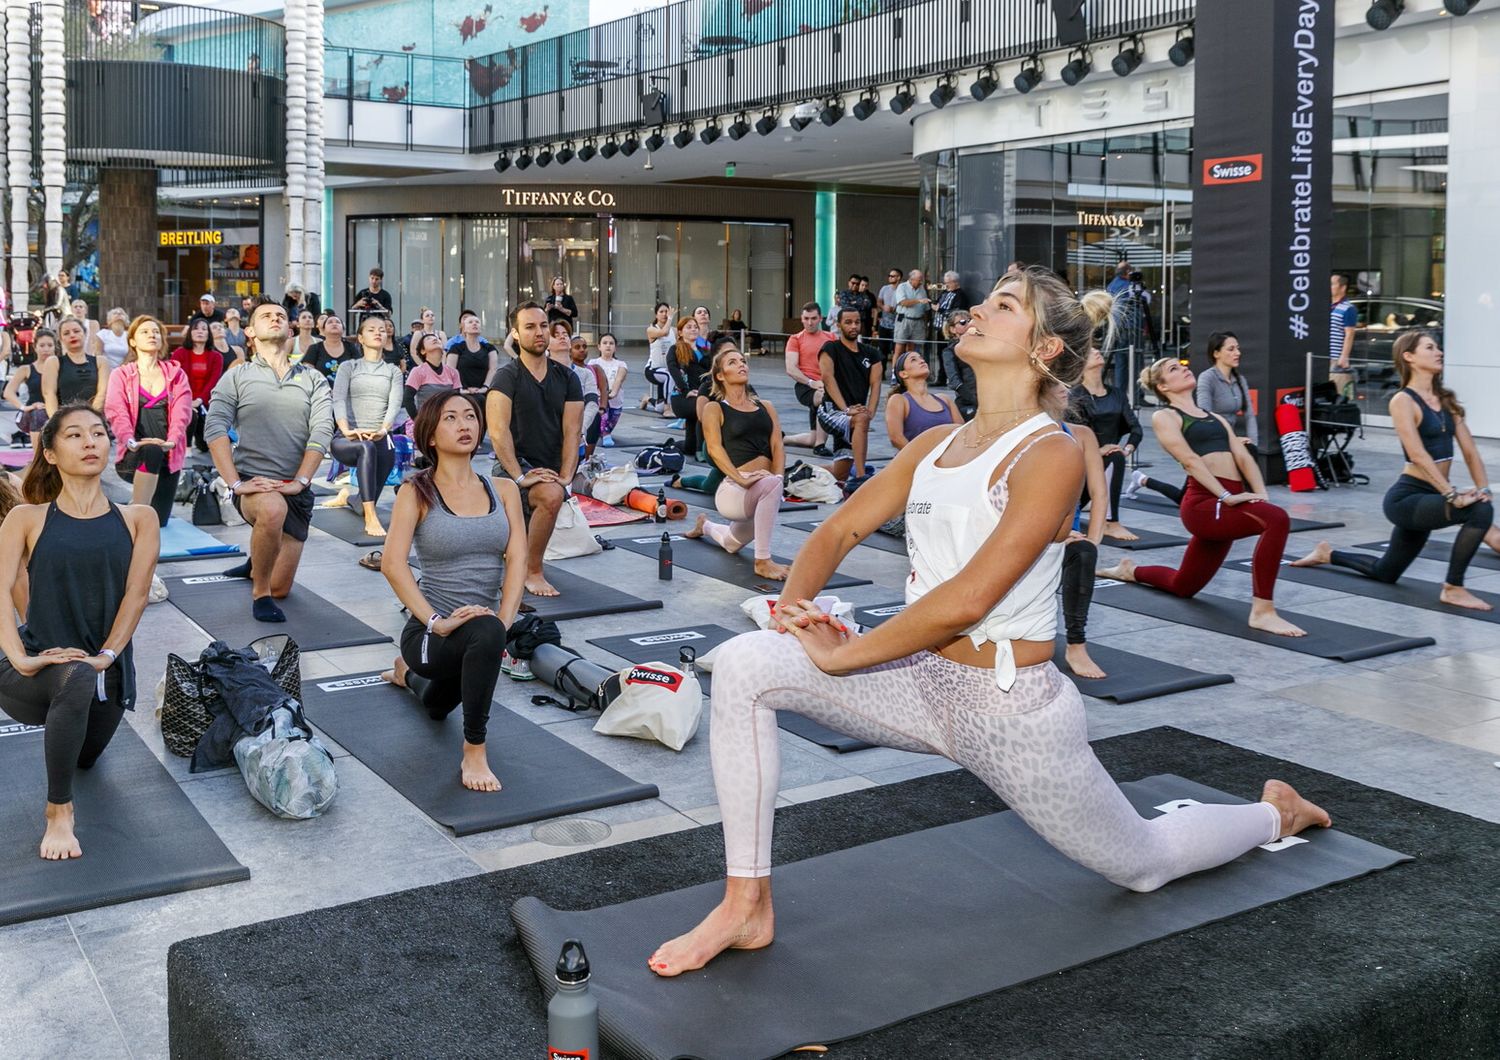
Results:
x,y
1225,500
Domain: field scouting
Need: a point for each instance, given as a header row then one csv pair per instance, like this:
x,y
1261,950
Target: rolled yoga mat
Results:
x,y
1155,502
702,556
221,606
879,933
1129,678
1219,992
541,775
665,645
583,598
1325,638
141,836
1438,550
646,501
884,542
181,540
1407,591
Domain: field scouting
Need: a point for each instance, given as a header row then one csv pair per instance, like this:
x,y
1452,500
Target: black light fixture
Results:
x,y
1030,75
944,93
1079,65
766,124
544,156
1459,7
711,132
798,122
832,111
502,162
588,150
739,128
984,85
629,145
1383,13
1181,51
1128,59
905,97
565,153
867,105
608,149
684,137
655,140
523,160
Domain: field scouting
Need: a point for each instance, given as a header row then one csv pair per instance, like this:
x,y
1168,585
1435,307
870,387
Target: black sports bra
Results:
x,y
1435,430
1204,435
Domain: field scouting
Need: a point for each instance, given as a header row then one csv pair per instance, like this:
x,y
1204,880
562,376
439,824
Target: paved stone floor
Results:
x,y
1424,723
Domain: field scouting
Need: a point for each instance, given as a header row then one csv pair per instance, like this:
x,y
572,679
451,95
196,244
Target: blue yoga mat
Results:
x,y
180,539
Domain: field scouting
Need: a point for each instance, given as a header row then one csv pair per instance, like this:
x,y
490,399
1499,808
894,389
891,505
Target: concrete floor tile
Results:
x,y
629,832
51,1007
1484,736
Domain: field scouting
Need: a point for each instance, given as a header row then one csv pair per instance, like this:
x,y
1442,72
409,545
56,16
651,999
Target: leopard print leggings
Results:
x,y
1029,745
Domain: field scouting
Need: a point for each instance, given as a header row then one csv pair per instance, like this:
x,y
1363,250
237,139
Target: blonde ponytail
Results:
x,y
1150,378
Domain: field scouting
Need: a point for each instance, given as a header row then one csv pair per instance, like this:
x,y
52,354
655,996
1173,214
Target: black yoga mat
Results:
x,y
706,500
702,556
221,605
1155,502
876,934
1439,550
1407,591
584,597
346,525
665,645
541,775
141,836
1146,539
884,542
1128,678
1325,638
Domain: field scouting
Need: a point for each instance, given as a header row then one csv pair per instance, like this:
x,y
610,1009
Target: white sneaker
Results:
x,y
158,591
1137,483
518,669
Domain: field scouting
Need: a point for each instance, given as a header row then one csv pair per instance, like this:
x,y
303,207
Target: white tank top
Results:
x,y
114,347
950,513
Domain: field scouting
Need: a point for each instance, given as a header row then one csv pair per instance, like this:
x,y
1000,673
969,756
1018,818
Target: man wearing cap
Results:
x,y
207,310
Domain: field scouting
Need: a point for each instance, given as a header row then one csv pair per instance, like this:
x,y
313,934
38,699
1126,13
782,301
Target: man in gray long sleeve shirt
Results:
x,y
283,416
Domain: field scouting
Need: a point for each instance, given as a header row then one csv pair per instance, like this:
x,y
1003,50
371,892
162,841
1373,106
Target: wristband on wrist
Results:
x,y
99,678
431,621
237,484
1225,496
1451,494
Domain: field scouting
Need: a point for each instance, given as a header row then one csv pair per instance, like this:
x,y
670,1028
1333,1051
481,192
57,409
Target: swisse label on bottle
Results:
x,y
567,1054
353,682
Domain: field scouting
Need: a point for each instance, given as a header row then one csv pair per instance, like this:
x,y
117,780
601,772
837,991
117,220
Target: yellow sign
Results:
x,y
566,197
191,237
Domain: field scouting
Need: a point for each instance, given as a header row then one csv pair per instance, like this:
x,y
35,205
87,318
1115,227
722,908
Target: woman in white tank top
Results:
x,y
110,339
965,671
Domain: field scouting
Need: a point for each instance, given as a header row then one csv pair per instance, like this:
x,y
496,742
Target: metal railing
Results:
x,y
756,56
395,77
122,31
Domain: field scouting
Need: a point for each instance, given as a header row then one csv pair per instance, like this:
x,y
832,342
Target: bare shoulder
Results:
x,y
506,488
23,518
140,517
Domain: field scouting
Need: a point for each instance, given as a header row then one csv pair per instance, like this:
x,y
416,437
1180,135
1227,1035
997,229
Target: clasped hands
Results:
x,y
826,639
31,665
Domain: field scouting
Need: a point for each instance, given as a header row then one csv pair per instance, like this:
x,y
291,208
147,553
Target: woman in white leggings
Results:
x,y
965,670
743,438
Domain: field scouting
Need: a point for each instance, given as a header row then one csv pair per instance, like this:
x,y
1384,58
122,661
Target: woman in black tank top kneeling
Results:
x,y
86,567
1429,420
743,437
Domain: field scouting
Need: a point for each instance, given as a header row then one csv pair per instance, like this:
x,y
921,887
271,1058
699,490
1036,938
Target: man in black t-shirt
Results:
x,y
535,412
374,298
851,372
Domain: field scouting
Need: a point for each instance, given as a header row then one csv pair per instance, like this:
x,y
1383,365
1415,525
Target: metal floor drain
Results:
x,y
571,832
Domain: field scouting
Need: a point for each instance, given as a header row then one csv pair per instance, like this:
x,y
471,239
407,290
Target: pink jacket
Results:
x,y
121,404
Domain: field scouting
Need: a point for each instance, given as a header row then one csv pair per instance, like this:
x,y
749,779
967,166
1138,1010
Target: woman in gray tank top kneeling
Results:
x,y
470,541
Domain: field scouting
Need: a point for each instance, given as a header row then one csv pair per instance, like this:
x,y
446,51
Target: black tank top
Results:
x,y
76,382
77,570
745,435
1204,435
1435,430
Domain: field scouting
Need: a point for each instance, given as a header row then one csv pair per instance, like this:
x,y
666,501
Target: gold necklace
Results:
x,y
1023,415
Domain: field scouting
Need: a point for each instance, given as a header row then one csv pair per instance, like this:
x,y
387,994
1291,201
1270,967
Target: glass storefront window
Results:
x,y
447,264
206,245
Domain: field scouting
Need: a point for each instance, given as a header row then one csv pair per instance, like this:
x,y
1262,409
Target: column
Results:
x,y
312,257
128,239
295,15
54,139
18,147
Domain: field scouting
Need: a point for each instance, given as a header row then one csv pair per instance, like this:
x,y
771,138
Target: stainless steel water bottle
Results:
x,y
572,1014
664,558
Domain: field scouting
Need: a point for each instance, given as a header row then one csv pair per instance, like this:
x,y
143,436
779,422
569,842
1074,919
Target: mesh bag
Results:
x,y
186,695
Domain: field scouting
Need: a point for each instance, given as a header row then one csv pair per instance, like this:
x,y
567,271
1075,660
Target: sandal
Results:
x,y
606,545
371,561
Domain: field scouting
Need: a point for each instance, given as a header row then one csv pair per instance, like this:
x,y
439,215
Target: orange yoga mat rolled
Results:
x,y
645,501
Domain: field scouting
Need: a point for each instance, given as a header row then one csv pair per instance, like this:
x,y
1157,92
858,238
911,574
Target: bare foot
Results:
x,y
1263,617
1080,663
740,922
1296,812
1124,571
374,529
1458,596
475,771
338,500
769,568
1118,532
58,841
537,585
1317,557
396,675
697,530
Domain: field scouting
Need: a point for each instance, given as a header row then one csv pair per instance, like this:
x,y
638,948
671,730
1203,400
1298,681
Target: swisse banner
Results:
x,y
1262,202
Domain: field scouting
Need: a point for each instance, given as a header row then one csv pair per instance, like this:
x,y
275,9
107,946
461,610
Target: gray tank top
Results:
x,y
462,557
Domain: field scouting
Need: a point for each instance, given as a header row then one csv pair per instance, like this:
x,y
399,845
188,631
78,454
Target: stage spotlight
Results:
x,y
984,85
1030,75
523,160
588,150
655,140
711,132
502,163
565,153
1181,51
739,128
1129,57
944,93
1459,7
544,156
904,98
868,104
1383,13
1079,65
798,123
766,124
684,137
629,145
609,148
832,111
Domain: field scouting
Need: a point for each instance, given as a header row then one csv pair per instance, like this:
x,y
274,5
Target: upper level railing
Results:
x,y
394,77
119,30
752,55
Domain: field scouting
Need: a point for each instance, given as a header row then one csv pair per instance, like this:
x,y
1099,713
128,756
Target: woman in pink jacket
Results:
x,y
149,405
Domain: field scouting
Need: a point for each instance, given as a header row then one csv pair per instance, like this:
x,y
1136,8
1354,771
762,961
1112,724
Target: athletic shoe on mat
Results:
x,y
677,425
1137,481
822,450
518,669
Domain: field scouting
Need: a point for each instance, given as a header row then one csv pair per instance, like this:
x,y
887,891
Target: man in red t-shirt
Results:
x,y
802,365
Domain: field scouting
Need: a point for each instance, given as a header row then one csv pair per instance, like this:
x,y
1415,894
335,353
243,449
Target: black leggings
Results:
x,y
686,408
1415,509
152,459
658,378
195,427
806,394
1079,561
462,667
372,463
1166,489
1114,461
61,697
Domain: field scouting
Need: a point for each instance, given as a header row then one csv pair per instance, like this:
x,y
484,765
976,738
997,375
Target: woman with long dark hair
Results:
x,y
73,377
149,406
687,366
203,365
86,565
470,541
560,305
1106,411
1429,421
32,415
305,336
661,337
366,400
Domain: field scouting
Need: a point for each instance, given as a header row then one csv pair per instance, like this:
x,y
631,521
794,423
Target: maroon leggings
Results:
x,y
1215,527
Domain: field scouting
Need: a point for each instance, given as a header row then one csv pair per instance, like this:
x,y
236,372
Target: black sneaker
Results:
x,y
823,450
